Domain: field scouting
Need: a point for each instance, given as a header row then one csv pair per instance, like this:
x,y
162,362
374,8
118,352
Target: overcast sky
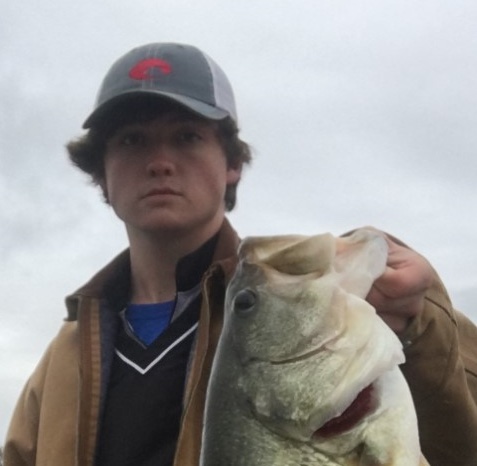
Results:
x,y
360,113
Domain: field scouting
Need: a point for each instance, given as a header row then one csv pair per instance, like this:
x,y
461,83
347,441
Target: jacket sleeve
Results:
x,y
21,441
441,370
42,430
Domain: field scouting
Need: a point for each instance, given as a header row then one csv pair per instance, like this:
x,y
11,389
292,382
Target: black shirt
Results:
x,y
143,407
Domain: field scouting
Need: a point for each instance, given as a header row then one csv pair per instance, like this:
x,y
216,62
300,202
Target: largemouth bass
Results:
x,y
305,371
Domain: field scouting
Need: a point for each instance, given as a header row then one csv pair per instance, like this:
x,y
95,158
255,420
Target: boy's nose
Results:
x,y
160,161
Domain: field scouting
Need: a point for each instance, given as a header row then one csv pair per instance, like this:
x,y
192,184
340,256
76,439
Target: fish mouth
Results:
x,y
298,358
361,406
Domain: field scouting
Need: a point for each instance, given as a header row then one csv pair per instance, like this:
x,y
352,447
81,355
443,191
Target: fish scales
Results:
x,y
305,372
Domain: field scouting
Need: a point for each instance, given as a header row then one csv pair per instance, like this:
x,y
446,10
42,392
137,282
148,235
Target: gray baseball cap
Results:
x,y
177,72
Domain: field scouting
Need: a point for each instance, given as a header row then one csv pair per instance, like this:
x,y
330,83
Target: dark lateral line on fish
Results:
x,y
302,357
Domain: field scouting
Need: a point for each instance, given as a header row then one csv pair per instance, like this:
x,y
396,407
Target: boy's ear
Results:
x,y
101,182
234,174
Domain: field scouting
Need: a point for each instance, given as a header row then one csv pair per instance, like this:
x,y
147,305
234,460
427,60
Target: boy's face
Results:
x,y
168,175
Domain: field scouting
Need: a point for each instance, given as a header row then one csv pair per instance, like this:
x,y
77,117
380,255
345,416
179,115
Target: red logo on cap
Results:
x,y
140,70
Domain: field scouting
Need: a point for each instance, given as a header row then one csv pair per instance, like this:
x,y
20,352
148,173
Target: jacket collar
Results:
x,y
117,271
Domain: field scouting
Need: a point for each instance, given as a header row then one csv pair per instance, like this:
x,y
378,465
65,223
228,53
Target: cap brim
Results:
x,y
196,106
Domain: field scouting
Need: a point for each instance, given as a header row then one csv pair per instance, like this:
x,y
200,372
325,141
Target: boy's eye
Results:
x,y
132,139
189,136
128,138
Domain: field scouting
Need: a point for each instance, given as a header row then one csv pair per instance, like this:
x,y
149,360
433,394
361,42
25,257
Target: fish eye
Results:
x,y
244,302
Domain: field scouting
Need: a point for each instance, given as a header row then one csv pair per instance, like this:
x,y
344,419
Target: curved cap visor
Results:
x,y
176,72
200,108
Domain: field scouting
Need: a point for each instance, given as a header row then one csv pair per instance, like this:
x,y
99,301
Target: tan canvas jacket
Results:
x,y
56,419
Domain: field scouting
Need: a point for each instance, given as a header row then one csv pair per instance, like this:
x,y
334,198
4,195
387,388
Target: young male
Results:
x,y
124,381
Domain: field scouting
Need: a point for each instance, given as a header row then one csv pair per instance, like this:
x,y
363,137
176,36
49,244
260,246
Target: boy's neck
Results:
x,y
153,264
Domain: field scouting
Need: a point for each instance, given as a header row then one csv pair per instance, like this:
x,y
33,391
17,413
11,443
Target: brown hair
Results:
x,y
87,152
